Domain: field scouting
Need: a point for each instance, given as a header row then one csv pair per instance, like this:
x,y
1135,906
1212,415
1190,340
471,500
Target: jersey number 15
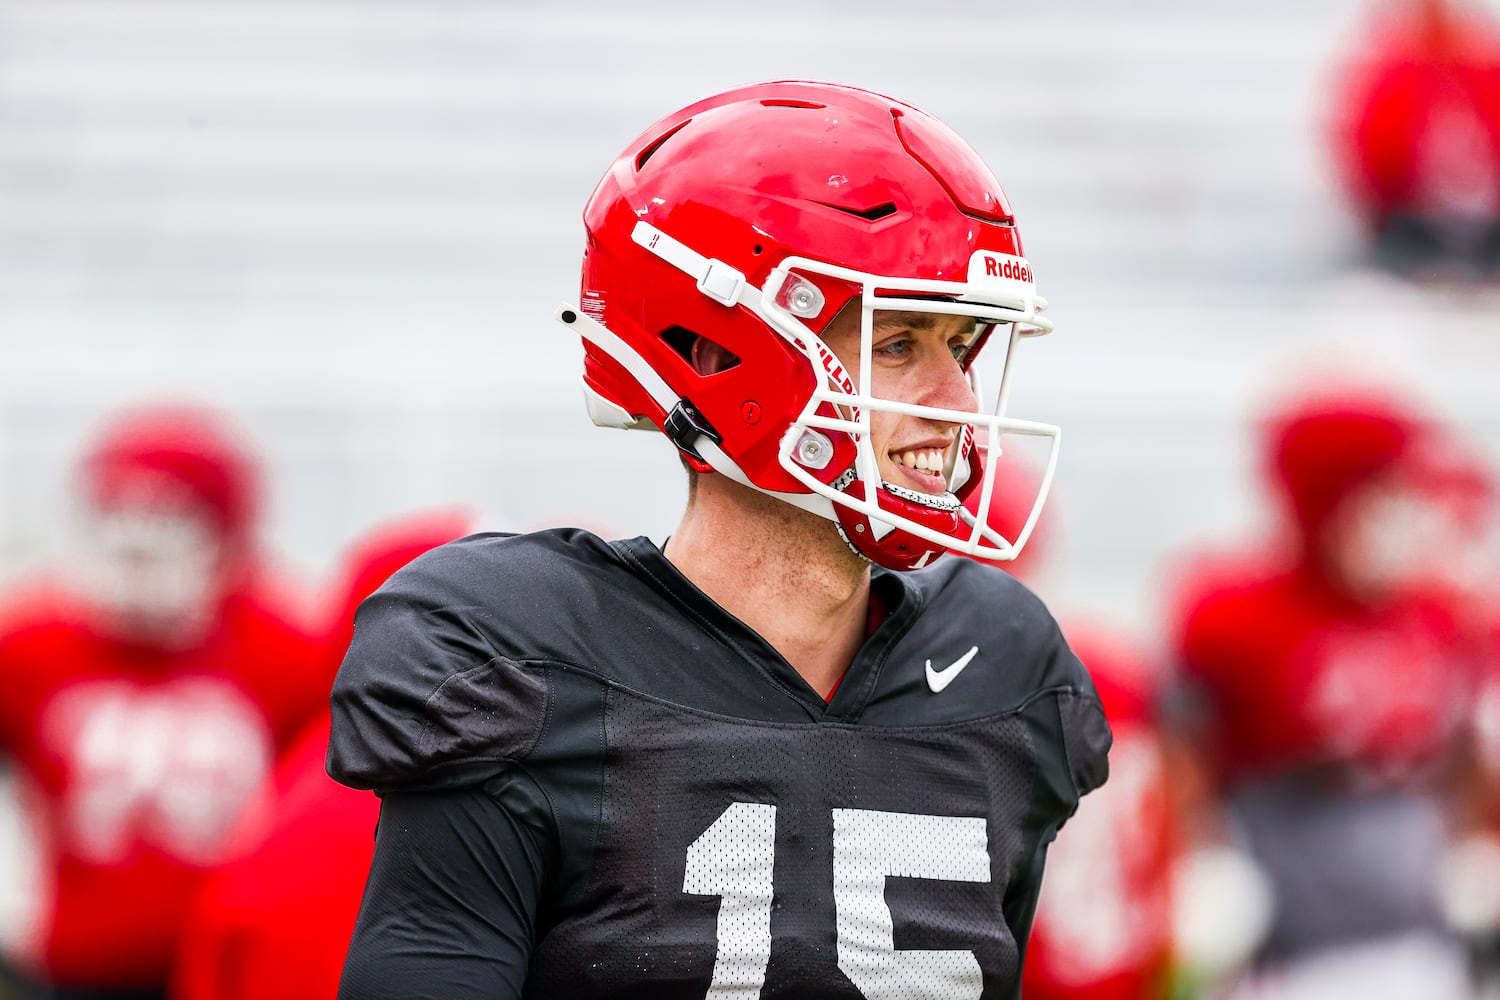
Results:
x,y
734,857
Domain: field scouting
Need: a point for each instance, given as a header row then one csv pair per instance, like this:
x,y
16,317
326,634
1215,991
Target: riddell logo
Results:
x,y
1005,266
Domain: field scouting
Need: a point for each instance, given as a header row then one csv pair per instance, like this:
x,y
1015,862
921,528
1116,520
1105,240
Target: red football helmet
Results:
x,y
751,219
169,498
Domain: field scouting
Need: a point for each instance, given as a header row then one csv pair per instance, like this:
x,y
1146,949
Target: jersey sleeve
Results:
x,y
448,911
1086,739
1071,739
422,700
1071,735
1070,731
1076,750
1042,674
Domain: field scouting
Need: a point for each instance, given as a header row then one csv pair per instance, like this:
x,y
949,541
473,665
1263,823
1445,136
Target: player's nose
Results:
x,y
948,386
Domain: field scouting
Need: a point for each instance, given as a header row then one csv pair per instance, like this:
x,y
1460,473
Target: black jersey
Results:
x,y
593,768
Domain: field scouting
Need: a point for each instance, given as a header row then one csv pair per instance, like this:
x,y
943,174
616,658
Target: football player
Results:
x,y
274,921
1414,121
792,752
147,689
1332,678
1104,923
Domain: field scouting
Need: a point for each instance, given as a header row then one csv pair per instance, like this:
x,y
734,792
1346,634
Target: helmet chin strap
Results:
x,y
946,502
937,501
605,413
881,540
852,547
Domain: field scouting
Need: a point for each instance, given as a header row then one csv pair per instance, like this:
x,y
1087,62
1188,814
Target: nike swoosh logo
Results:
x,y
939,679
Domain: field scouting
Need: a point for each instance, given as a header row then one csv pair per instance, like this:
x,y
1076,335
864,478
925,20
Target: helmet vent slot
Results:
x,y
649,151
868,214
792,103
704,356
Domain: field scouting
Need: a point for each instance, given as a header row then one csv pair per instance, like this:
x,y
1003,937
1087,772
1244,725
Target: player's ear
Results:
x,y
709,358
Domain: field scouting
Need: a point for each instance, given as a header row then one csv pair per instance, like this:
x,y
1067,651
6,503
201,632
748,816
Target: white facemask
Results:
x,y
1390,537
150,574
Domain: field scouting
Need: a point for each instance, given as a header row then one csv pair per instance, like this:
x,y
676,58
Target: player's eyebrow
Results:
x,y
911,321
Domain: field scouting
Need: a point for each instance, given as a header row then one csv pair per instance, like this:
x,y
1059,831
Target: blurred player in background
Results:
x,y
149,683
275,920
1416,135
1104,926
1330,679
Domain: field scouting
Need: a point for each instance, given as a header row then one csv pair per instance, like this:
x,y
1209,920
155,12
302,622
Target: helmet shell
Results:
x,y
751,177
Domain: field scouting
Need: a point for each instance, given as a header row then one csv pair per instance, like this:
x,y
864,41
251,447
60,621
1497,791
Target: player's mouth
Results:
x,y
922,469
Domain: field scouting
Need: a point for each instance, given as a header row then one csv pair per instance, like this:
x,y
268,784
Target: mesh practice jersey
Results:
x,y
600,784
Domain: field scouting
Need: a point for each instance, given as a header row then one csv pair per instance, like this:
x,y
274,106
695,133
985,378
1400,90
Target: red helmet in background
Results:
x,y
1416,121
169,498
1321,445
751,219
176,456
1382,497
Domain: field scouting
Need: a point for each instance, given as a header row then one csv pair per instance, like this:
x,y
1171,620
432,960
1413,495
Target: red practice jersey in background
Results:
x,y
138,763
1103,929
275,920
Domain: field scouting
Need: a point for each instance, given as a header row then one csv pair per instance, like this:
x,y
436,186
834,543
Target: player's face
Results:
x,y
914,359
150,560
1391,537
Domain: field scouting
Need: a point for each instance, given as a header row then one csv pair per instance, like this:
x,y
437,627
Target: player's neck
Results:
x,y
784,572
